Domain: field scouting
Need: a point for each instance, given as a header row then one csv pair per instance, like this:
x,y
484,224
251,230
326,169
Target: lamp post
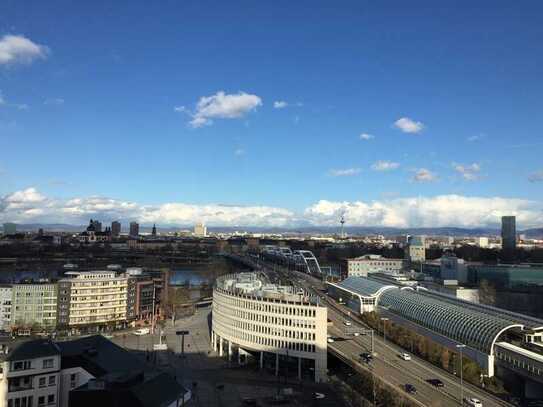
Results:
x,y
384,319
461,347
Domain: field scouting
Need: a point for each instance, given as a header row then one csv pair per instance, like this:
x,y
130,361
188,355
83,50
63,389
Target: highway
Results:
x,y
387,364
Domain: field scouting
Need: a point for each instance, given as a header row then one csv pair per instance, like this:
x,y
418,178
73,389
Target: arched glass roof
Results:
x,y
467,325
364,287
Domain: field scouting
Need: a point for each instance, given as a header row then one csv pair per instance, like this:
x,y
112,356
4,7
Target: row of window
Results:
x,y
36,307
265,341
264,306
27,364
521,364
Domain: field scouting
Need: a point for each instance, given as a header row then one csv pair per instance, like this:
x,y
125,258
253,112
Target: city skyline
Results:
x,y
271,114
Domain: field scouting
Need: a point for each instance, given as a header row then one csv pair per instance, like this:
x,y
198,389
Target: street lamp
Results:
x,y
461,347
384,319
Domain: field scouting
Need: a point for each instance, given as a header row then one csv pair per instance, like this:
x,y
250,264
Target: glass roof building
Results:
x,y
445,319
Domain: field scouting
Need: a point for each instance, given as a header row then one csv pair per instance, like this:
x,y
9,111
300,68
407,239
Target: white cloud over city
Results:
x,y
220,106
470,172
345,172
424,175
17,49
385,166
408,125
31,206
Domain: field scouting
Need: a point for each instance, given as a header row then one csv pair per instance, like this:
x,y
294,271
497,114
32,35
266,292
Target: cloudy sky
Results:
x,y
272,113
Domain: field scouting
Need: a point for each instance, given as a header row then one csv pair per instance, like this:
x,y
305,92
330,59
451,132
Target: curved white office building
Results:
x,y
282,330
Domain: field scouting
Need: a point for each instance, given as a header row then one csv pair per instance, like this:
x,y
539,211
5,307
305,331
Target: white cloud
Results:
x,y
18,49
29,195
536,176
408,125
54,101
438,211
476,137
239,152
384,166
30,206
347,172
280,104
468,172
366,136
424,175
221,106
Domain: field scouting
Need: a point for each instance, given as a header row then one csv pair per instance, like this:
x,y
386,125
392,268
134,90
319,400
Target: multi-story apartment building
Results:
x,y
34,305
5,306
92,300
363,265
30,375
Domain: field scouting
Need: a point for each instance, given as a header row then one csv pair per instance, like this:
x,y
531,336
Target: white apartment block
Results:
x,y
92,298
5,307
34,304
362,266
250,315
30,375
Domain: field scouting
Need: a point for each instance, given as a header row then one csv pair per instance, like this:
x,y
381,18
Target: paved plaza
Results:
x,y
213,380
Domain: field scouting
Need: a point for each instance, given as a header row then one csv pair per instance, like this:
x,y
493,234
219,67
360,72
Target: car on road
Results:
x,y
347,323
409,388
356,333
435,382
366,356
472,402
142,331
405,356
330,340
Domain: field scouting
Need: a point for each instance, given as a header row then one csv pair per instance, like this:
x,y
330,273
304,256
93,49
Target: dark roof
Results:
x,y
159,391
32,349
152,389
98,356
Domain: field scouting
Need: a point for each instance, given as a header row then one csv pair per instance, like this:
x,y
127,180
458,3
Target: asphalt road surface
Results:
x,y
387,364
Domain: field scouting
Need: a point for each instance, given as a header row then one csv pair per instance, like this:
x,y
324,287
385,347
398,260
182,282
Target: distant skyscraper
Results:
x,y
153,232
115,228
10,228
509,233
134,229
200,230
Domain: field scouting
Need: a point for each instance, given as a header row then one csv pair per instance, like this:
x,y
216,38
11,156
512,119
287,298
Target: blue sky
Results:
x,y
89,113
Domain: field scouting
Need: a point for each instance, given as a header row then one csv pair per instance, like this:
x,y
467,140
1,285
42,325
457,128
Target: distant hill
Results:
x,y
353,230
534,233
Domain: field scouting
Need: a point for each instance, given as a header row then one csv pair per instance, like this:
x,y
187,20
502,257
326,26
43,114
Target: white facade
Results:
x,y
70,379
482,242
272,324
34,305
361,266
92,298
30,383
416,249
200,230
5,307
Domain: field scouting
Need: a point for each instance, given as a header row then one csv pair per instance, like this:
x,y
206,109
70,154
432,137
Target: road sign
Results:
x,y
181,332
